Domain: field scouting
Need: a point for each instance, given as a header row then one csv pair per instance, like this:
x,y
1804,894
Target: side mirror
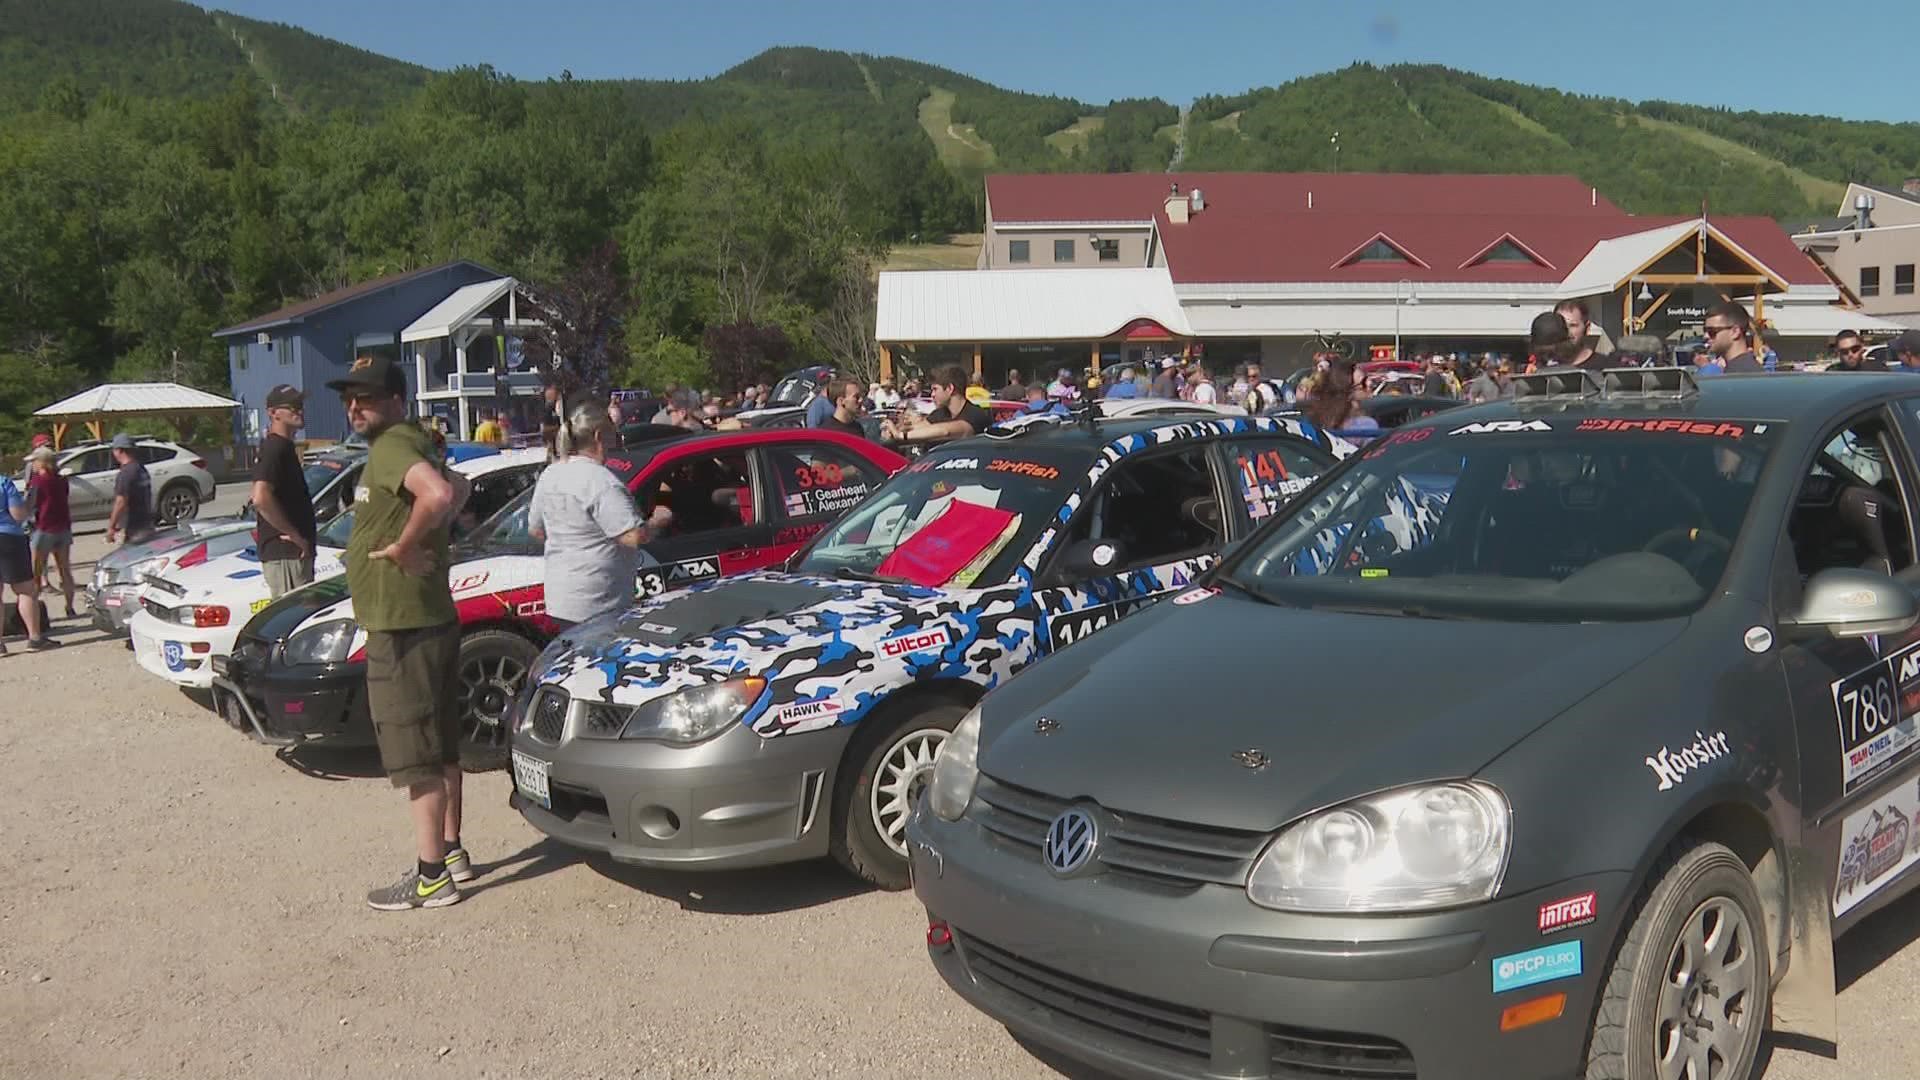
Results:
x,y
1089,559
1854,603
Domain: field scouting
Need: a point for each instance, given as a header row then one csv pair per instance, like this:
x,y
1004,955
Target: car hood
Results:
x,y
809,636
320,601
486,587
172,541
234,578
1339,704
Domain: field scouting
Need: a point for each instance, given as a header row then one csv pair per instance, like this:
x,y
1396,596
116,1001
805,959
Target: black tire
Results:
x,y
178,502
858,842
1661,1001
492,667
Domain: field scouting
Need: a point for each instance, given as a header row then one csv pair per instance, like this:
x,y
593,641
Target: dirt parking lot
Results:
x,y
177,901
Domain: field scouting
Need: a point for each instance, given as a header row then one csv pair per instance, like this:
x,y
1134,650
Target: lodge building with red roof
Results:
x,y
1096,269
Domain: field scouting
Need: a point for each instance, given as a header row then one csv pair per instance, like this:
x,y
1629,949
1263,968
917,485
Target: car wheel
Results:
x,y
892,763
179,501
1690,991
493,667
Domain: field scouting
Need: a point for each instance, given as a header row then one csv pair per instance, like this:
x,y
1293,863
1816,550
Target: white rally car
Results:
x,y
191,616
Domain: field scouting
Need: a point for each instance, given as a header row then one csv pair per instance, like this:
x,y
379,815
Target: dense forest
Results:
x,y
165,170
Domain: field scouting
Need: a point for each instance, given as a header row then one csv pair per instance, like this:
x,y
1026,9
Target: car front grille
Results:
x,y
549,712
1165,852
1129,1021
1299,1054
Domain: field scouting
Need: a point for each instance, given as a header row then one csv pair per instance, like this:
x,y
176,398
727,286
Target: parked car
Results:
x,y
181,482
113,594
789,715
1651,742
191,616
297,670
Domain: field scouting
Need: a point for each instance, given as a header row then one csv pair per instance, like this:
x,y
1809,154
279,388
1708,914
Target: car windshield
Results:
x,y
336,533
1559,519
320,472
958,518
504,533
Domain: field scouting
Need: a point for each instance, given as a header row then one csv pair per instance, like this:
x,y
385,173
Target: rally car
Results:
x,y
788,715
740,502
189,617
113,595
1652,741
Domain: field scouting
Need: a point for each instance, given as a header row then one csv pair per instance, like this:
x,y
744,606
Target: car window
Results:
x,y
92,461
820,481
1567,519
1264,473
1154,508
153,455
504,532
492,491
1850,510
705,492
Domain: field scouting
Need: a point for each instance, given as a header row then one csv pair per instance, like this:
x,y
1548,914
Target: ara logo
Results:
x,y
959,463
1909,664
1496,427
695,568
916,641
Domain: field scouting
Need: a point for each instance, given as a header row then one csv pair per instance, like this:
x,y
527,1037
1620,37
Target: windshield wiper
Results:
x,y
1406,611
1248,590
848,573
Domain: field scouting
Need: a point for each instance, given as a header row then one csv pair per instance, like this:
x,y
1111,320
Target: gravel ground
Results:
x,y
180,902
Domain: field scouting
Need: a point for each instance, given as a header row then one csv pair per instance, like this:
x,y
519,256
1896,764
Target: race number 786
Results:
x,y
1868,708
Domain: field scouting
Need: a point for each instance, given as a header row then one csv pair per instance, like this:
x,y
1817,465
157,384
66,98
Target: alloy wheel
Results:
x,y
179,505
488,685
905,771
1704,1021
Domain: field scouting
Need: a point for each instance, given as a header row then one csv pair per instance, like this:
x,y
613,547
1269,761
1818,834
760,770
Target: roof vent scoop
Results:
x,y
1176,205
1863,212
1199,201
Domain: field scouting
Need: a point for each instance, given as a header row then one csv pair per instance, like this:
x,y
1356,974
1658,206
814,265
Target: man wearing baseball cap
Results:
x,y
284,531
1905,351
132,495
397,573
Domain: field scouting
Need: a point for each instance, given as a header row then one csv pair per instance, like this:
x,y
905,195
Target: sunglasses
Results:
x,y
1716,331
1853,348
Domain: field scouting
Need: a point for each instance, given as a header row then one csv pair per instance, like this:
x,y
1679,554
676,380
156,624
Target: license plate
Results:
x,y
111,599
530,776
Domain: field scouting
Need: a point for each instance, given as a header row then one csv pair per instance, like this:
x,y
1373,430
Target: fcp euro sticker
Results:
x,y
1536,966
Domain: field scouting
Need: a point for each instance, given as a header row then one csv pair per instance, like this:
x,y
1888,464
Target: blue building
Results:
x,y
308,343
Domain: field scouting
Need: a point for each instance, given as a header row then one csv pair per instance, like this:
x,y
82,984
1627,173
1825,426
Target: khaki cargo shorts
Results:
x,y
413,692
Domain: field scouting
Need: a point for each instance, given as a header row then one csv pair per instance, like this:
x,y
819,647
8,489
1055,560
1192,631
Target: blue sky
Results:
x,y
1763,54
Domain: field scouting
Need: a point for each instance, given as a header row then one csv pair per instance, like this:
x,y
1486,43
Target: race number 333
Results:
x,y
1876,728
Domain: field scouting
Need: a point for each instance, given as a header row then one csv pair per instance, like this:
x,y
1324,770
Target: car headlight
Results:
x,y
1432,846
692,715
957,770
327,643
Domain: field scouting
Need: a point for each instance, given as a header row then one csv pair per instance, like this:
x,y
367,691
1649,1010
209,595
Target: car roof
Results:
x,y
1074,442
505,459
713,441
1783,396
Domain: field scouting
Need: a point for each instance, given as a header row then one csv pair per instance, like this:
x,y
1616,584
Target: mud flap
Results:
x,y
1805,1003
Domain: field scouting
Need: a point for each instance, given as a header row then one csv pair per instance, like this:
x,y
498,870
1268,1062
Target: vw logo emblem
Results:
x,y
1070,843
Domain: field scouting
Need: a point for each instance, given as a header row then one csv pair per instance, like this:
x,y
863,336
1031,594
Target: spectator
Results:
x,y
1039,404
486,431
1333,402
397,572
1853,353
847,406
682,410
1728,326
953,417
1905,351
1550,342
1062,387
1200,388
1016,388
16,565
1493,382
1168,383
586,519
284,529
886,397
615,414
1435,384
819,407
47,497
1579,324
1123,387
132,495
977,391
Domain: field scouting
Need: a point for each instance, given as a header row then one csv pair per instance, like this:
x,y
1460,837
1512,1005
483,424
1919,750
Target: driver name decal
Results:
x,y
1878,723
1672,766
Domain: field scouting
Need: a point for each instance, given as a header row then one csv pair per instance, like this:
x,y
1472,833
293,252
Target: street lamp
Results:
x,y
1413,300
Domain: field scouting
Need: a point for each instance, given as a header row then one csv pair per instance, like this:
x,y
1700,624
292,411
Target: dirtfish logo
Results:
x,y
1672,768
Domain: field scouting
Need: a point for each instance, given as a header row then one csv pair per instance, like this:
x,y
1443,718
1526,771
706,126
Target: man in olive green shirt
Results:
x,y
397,575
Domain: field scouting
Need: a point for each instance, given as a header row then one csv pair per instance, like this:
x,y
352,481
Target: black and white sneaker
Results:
x,y
414,891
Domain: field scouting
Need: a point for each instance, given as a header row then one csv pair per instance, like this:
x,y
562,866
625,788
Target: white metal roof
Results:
x,y
1370,320
156,397
1023,305
462,306
1613,261
1821,320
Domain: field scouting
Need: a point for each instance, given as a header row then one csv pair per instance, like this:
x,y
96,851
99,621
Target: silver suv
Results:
x,y
181,481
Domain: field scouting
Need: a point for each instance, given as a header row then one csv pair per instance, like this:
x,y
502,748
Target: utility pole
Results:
x,y
1335,140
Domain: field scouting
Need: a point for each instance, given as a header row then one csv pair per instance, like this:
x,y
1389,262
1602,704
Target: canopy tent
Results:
x,y
122,401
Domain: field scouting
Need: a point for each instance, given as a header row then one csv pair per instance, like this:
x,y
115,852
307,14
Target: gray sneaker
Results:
x,y
459,864
413,891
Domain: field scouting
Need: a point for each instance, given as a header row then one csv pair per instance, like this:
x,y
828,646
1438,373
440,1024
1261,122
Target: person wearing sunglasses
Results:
x,y
1728,326
1853,353
284,531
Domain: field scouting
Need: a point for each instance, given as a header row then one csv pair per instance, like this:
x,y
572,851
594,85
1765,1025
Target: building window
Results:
x,y
240,357
1869,281
1017,251
279,348
1109,250
1903,280
1506,251
1062,251
1380,251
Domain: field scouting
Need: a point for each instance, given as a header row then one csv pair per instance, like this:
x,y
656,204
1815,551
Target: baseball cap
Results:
x,y
372,373
41,438
1907,344
1548,330
284,396
123,441
41,453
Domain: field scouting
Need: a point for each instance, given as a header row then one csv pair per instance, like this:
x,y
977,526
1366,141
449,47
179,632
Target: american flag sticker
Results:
x,y
797,503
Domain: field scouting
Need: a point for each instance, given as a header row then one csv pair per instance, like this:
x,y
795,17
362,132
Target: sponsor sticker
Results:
x,y
1194,596
657,628
260,605
1024,468
1876,846
174,655
1501,427
1671,767
801,712
1536,966
1877,710
1669,427
471,581
914,642
1566,914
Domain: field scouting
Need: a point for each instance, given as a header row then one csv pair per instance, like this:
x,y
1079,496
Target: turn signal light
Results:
x,y
211,615
1528,1013
939,934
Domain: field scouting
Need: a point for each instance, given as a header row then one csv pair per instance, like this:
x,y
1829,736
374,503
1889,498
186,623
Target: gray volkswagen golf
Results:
x,y
1546,738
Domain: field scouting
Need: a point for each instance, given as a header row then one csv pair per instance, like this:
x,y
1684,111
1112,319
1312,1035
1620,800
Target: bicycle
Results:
x,y
1326,345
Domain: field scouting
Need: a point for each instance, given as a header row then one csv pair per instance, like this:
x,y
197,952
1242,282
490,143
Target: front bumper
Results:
x,y
1160,981
182,655
112,607
736,800
292,704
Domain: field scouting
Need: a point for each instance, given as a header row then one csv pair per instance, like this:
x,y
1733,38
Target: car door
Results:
x,y
1161,512
90,477
1264,471
808,485
1856,701
720,524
